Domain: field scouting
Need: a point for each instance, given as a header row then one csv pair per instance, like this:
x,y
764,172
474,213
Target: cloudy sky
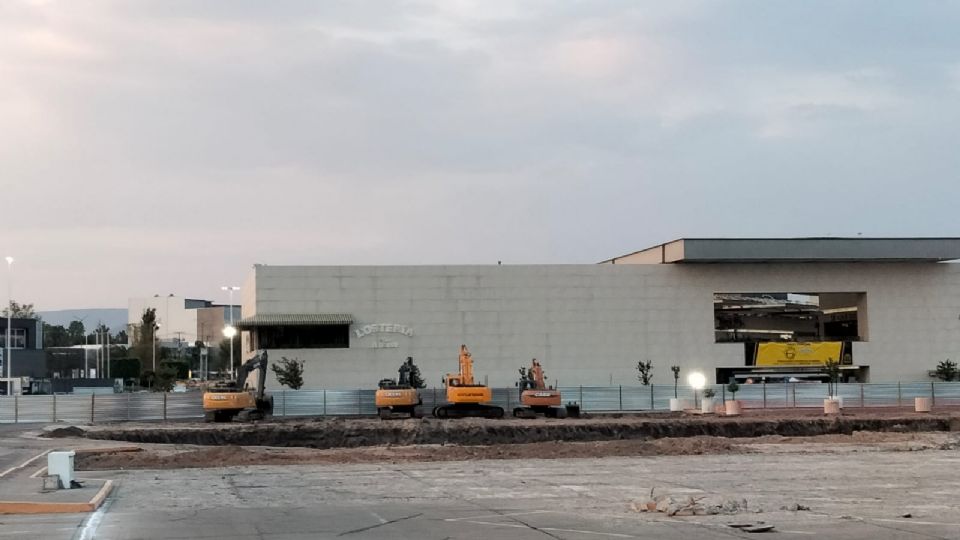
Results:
x,y
166,146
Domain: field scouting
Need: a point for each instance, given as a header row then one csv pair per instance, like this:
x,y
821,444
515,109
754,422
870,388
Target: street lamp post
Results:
x,y
230,331
697,380
9,359
153,336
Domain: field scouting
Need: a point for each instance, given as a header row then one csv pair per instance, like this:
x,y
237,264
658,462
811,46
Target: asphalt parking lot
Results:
x,y
854,494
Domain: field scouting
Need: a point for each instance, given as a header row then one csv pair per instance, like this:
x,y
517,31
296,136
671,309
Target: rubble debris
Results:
x,y
692,506
795,507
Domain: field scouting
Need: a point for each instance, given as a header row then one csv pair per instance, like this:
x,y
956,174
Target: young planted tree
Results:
x,y
832,370
289,372
676,378
416,380
733,388
644,372
946,370
165,378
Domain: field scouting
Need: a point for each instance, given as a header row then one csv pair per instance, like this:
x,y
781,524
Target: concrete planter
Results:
x,y
706,405
831,406
921,404
732,408
677,404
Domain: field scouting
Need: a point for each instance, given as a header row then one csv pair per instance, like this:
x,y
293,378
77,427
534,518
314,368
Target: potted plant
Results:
x,y
675,403
732,406
706,404
832,404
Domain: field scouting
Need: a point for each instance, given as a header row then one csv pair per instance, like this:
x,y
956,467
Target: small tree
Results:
x,y
832,370
645,372
416,380
289,372
19,311
676,378
166,376
946,370
733,388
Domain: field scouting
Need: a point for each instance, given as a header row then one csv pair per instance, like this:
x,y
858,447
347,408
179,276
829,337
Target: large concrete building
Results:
x,y
886,309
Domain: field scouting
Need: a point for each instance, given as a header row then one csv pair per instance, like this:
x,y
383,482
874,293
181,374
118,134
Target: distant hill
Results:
x,y
114,318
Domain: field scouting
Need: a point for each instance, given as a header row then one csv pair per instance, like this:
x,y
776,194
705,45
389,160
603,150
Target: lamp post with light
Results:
x,y
156,326
230,330
697,381
8,359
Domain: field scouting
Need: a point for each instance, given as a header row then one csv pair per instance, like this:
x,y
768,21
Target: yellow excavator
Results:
x,y
535,396
400,396
225,400
464,397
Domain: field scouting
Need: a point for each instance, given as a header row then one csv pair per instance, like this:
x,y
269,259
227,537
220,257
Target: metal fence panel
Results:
x,y
184,405
157,406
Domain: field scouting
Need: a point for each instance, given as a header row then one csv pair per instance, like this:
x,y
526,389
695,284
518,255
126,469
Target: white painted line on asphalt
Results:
x,y
24,464
794,532
5,533
378,516
39,471
501,515
90,527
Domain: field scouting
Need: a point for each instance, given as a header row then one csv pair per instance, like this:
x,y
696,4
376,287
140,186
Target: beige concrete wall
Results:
x,y
590,324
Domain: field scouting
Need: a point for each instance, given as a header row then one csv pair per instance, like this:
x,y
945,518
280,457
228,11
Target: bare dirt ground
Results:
x,y
159,456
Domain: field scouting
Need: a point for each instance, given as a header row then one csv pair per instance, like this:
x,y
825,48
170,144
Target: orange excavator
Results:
x,y
535,396
400,396
464,397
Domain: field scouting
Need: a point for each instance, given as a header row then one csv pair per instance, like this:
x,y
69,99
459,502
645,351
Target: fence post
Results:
x,y
16,408
93,403
581,398
508,399
861,395
793,390
651,398
621,397
933,395
164,406
128,406
359,408
723,393
899,398
324,401
764,393
283,399
54,408
786,394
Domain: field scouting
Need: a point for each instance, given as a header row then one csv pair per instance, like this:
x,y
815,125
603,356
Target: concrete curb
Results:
x,y
30,507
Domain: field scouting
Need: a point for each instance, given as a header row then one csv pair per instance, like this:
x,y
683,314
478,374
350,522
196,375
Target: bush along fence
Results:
x,y
94,408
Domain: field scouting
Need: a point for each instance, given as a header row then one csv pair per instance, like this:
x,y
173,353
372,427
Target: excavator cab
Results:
x,y
464,397
535,396
400,396
225,400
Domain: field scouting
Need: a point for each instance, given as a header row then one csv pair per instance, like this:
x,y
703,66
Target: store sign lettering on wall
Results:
x,y
381,328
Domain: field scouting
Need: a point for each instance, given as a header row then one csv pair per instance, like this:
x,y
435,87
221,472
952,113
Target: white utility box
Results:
x,y
61,464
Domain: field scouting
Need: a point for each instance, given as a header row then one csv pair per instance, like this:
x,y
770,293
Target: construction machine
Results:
x,y
464,397
535,396
225,400
400,396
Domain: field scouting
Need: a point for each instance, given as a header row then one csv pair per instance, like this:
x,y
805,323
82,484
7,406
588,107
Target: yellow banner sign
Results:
x,y
815,353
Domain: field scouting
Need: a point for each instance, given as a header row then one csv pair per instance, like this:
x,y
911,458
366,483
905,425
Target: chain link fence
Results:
x,y
77,408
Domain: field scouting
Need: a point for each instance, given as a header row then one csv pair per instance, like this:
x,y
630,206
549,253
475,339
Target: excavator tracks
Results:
x,y
464,410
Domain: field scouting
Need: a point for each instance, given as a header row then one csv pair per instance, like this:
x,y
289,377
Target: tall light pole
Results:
x,y
8,359
230,331
153,336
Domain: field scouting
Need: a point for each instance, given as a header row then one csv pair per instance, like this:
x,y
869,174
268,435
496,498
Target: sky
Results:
x,y
166,146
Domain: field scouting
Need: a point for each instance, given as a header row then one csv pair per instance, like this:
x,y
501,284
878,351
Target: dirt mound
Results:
x,y
352,433
229,456
64,432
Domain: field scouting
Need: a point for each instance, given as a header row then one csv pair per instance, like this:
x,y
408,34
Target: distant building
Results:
x,y
183,321
26,343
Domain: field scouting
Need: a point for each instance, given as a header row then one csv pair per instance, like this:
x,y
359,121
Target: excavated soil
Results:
x,y
361,432
227,456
